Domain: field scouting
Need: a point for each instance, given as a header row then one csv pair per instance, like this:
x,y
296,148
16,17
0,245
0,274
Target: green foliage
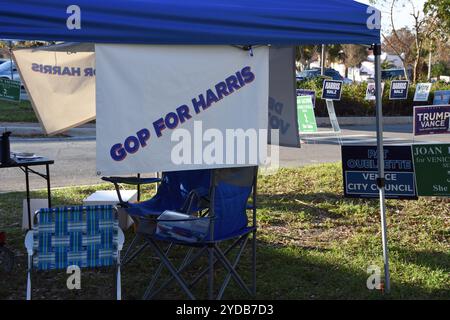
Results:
x,y
16,112
353,101
312,244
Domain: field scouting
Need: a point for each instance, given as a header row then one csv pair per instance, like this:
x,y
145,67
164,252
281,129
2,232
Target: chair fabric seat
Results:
x,y
224,237
82,236
172,193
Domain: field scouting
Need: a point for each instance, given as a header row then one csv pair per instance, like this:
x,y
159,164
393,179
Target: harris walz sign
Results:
x,y
399,90
332,90
360,170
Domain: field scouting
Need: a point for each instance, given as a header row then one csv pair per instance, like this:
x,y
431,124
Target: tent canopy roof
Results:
x,y
240,22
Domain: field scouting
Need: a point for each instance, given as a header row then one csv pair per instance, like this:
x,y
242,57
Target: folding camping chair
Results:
x,y
224,219
87,237
174,190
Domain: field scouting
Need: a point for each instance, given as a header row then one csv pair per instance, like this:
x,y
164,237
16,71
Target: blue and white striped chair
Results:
x,y
86,237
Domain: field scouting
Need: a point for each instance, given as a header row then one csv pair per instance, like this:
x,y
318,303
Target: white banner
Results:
x,y
282,95
209,94
60,85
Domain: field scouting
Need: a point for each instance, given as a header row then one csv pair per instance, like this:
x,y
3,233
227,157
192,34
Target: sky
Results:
x,y
402,15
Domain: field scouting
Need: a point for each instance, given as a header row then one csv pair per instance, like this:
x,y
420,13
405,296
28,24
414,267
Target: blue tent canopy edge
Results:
x,y
239,22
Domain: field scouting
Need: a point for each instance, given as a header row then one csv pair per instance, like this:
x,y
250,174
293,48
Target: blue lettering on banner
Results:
x,y
172,120
276,120
360,170
63,71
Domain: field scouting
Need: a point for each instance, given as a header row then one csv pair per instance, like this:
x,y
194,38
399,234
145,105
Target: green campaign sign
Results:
x,y
305,114
9,90
432,166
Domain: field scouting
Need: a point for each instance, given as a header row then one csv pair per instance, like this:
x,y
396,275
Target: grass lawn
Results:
x,y
313,244
16,112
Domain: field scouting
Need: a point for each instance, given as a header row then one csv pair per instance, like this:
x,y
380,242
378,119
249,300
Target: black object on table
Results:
x,y
24,165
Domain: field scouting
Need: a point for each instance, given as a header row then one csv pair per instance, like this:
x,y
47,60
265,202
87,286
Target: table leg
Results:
x,y
139,189
49,195
27,182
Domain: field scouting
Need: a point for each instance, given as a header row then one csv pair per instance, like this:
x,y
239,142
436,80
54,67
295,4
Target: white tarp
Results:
x,y
145,92
60,82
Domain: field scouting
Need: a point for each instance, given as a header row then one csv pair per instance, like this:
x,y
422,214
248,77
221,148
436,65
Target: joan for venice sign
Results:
x,y
9,90
431,120
360,169
399,90
332,90
432,167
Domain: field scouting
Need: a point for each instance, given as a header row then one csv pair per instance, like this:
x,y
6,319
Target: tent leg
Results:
x,y
381,178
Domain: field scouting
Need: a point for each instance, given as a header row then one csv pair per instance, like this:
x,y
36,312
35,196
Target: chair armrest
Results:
x,y
131,180
120,240
29,242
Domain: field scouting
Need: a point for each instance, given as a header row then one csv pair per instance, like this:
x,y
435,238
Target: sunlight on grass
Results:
x,y
312,244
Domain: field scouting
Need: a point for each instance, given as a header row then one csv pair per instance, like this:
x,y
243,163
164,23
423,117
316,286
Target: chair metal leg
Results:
x,y
254,264
181,269
118,280
205,271
171,267
236,262
29,278
126,259
230,269
155,276
211,262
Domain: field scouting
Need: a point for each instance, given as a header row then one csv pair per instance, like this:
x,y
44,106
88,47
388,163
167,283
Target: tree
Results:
x,y
353,56
305,54
426,26
400,43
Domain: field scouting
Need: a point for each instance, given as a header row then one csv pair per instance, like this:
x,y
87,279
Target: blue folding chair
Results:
x,y
205,228
174,193
87,237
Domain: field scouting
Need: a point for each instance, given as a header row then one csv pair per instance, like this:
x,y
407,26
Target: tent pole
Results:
x,y
381,177
322,61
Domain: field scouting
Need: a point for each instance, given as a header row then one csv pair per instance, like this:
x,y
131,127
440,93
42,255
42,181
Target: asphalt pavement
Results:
x,y
75,157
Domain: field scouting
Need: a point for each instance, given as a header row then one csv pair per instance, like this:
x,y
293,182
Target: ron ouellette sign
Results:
x,y
431,120
360,170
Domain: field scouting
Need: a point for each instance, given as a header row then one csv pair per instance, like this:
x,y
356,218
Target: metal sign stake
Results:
x,y
381,178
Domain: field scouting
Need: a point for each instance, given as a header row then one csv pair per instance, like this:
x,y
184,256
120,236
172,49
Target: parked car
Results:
x,y
315,73
8,70
2,61
393,74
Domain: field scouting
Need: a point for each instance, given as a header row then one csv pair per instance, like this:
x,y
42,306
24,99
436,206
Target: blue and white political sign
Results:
x,y
441,97
332,90
307,92
399,90
431,120
171,108
422,92
371,90
360,170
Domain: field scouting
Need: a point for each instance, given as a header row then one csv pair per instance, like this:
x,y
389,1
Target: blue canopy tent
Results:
x,y
236,22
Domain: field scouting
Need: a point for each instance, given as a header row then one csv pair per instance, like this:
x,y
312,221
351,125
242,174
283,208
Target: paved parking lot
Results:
x,y
75,159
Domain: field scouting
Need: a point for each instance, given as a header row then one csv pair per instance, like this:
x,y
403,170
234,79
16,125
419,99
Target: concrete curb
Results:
x,y
28,130
33,129
364,121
